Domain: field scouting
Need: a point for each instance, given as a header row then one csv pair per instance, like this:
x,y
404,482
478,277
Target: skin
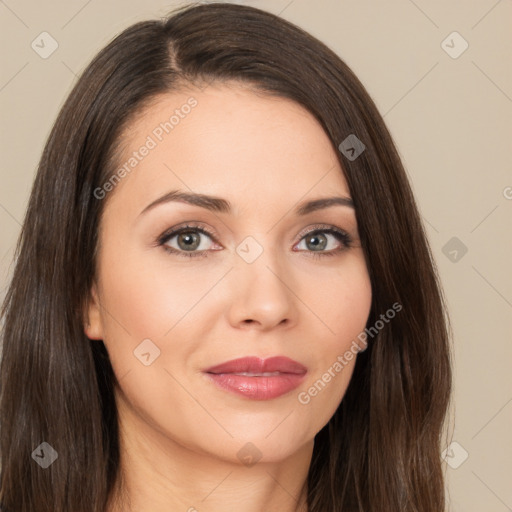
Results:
x,y
180,434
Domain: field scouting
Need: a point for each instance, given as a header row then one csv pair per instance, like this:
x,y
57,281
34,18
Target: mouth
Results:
x,y
254,366
258,379
251,374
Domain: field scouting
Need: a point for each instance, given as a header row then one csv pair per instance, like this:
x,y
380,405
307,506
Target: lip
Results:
x,y
286,375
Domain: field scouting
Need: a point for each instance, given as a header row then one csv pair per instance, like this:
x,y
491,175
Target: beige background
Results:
x,y
450,118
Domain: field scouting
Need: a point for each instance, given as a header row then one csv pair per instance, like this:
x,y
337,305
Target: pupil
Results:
x,y
314,241
190,240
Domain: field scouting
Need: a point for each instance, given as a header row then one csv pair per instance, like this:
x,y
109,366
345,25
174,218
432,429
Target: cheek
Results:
x,y
148,296
345,306
347,302
350,312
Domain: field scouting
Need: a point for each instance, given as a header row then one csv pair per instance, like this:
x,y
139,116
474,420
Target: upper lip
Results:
x,y
257,365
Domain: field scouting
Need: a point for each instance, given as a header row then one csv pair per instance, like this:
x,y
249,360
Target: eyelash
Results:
x,y
340,235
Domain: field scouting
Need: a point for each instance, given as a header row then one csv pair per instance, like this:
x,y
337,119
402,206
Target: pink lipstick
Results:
x,y
258,379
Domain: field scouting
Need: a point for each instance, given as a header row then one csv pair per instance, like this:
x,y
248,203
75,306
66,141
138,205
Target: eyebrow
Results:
x,y
217,204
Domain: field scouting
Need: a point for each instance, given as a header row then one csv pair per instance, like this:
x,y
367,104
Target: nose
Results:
x,y
261,296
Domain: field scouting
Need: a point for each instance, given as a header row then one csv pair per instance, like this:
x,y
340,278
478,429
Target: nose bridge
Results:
x,y
261,293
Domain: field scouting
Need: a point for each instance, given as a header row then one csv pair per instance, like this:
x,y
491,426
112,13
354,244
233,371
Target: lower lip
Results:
x,y
257,388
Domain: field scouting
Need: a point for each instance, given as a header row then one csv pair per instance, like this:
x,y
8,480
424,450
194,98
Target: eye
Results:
x,y
321,241
187,241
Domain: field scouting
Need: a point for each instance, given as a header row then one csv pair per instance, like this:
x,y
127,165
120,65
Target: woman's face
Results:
x,y
268,277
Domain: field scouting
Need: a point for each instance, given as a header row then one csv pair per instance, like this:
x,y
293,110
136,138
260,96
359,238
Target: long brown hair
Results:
x,y
381,449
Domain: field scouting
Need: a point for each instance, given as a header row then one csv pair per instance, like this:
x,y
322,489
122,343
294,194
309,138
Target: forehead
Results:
x,y
228,140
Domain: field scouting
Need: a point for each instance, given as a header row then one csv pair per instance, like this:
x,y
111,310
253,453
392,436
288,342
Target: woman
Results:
x,y
223,296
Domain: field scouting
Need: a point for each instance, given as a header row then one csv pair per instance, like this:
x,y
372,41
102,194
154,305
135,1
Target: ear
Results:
x,y
93,326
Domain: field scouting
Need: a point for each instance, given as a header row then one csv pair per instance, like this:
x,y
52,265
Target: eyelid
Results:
x,y
321,227
191,225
